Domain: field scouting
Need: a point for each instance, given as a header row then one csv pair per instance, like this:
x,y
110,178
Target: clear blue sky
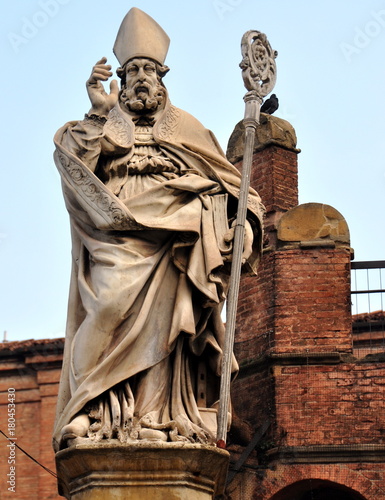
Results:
x,y
331,81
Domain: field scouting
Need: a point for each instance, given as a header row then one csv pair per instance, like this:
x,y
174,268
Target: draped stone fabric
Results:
x,y
148,273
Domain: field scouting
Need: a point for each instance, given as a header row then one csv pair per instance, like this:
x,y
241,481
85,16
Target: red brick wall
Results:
x,y
341,404
32,368
300,300
363,481
294,345
275,177
312,300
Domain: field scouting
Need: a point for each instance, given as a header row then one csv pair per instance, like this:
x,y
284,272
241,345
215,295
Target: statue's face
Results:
x,y
143,91
141,75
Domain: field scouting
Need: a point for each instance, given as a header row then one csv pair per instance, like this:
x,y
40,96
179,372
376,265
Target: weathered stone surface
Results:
x,y
313,222
271,131
141,471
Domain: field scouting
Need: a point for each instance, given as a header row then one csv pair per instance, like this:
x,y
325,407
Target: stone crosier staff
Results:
x,y
259,75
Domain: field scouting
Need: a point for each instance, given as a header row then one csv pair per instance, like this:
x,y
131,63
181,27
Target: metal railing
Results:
x,y
368,295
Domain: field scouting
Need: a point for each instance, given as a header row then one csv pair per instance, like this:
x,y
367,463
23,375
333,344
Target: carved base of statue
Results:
x,y
141,471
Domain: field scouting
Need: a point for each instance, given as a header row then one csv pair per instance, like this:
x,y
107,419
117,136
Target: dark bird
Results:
x,y
270,105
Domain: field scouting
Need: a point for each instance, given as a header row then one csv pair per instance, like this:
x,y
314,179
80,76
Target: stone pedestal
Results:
x,y
141,471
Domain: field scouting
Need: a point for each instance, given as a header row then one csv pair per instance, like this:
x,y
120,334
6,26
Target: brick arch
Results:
x,y
283,476
300,490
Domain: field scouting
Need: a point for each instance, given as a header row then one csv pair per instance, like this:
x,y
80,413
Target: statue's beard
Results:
x,y
143,98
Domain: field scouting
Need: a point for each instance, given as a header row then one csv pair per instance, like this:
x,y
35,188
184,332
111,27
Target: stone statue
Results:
x,y
151,199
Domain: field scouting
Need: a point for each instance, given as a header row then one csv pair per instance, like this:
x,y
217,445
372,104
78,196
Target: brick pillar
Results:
x,y
299,305
274,176
274,173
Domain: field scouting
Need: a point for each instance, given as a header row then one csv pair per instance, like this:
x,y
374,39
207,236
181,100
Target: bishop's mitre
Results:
x,y
140,36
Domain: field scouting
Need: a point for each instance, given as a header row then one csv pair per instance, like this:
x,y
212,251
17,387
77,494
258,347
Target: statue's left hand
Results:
x,y
247,241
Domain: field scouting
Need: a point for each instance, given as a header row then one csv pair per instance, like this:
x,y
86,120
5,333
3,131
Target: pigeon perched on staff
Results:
x,y
270,105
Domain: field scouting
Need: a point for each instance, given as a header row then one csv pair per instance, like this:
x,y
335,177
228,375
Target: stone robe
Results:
x,y
148,275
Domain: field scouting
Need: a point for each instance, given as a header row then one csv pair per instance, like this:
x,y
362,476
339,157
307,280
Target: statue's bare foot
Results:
x,y
152,435
77,428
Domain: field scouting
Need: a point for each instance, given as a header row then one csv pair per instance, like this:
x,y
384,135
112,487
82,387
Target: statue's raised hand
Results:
x,y
102,103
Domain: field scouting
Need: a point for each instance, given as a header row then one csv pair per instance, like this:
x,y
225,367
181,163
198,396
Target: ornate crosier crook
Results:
x,y
259,75
258,66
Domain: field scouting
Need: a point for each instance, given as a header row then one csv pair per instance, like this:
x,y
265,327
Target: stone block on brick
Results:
x,y
271,131
313,222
